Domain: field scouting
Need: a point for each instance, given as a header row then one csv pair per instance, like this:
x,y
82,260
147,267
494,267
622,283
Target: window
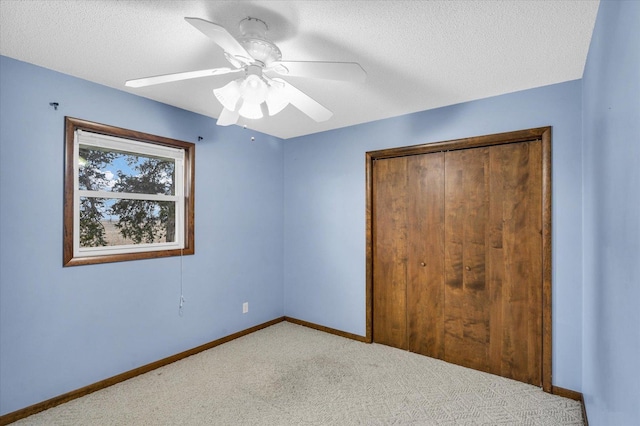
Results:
x,y
128,195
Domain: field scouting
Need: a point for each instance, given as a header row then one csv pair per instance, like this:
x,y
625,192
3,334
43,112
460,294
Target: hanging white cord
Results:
x,y
181,292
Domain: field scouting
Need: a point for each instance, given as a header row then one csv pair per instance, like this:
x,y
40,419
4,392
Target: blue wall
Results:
x,y
611,102
324,187
64,328
284,220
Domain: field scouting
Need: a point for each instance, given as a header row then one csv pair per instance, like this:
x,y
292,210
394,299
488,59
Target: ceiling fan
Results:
x,y
260,91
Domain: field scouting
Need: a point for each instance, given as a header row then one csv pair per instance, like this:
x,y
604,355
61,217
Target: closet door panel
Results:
x,y
390,205
516,261
467,298
425,267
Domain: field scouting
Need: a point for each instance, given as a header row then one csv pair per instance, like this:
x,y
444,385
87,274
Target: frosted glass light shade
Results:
x,y
227,117
229,95
254,89
276,99
250,110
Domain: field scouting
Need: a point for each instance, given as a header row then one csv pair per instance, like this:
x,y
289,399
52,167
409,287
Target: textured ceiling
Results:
x,y
418,54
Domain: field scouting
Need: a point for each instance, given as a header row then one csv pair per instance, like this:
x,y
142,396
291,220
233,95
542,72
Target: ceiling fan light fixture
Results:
x,y
259,93
245,96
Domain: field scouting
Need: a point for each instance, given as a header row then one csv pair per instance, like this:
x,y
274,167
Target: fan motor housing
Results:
x,y
255,42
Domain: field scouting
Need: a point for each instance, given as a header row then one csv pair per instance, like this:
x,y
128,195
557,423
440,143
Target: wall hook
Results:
x,y
199,138
54,105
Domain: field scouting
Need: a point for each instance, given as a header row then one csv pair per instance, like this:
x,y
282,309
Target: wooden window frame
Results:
x,y
72,259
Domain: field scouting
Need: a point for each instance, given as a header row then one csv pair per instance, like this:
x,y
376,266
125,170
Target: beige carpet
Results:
x,y
292,375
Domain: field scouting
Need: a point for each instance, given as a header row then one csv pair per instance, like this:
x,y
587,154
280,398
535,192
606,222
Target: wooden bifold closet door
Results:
x,y
457,256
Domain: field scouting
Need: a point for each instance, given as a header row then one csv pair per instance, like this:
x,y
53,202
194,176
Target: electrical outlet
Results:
x,y
245,307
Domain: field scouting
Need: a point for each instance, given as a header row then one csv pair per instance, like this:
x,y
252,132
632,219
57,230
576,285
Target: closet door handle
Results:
x,y
423,264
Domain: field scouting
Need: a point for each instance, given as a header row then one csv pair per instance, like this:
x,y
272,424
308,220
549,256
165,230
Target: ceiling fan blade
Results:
x,y
227,117
222,37
167,78
304,102
341,71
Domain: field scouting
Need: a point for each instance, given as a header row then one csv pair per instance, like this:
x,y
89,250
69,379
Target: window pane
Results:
x,y
114,222
117,171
